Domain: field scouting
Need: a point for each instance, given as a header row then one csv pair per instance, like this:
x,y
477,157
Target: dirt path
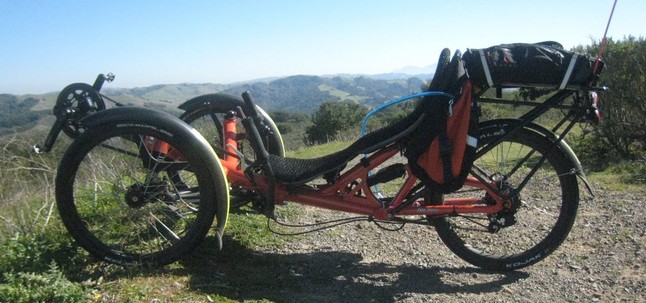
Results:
x,y
603,259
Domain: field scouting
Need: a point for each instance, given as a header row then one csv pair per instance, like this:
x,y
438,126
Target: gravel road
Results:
x,y
603,260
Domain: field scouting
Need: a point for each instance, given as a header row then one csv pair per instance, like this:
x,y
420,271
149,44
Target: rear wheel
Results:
x,y
127,202
534,222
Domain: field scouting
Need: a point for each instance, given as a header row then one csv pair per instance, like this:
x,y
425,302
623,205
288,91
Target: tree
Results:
x,y
333,118
623,106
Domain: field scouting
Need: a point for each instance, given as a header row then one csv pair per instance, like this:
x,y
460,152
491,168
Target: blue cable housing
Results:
x,y
396,101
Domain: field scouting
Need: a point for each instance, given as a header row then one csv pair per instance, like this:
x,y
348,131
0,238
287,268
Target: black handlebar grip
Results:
x,y
98,83
53,133
251,106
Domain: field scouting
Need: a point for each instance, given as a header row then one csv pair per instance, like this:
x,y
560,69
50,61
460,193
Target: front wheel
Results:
x,y
535,220
207,113
137,193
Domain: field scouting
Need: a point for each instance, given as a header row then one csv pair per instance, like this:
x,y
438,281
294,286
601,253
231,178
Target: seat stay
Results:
x,y
528,118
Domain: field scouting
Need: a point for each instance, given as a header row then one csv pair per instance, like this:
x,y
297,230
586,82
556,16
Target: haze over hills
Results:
x,y
300,93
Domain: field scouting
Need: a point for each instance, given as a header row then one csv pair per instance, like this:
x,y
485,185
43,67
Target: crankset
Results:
x,y
241,197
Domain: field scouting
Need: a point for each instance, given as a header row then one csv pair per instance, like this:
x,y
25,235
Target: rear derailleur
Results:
x,y
507,216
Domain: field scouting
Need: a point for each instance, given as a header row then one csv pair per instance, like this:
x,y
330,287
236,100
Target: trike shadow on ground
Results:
x,y
326,276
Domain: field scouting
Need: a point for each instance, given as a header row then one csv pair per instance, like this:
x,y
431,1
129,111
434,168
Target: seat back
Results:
x,y
441,150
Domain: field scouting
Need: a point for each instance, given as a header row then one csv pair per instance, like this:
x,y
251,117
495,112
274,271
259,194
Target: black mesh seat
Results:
x,y
292,170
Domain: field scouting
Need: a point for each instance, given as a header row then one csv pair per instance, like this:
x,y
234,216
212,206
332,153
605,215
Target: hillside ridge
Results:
x,y
298,93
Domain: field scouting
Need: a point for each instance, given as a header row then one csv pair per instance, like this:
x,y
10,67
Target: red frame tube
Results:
x,y
350,193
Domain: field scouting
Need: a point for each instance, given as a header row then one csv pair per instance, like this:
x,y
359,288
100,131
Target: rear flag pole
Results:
x,y
603,40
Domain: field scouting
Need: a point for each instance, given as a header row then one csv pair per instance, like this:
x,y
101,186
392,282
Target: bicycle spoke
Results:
x,y
164,230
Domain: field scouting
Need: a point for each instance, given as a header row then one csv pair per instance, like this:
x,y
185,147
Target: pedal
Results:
x,y
263,206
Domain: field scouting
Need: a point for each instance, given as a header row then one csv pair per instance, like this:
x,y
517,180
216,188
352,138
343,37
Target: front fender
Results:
x,y
220,102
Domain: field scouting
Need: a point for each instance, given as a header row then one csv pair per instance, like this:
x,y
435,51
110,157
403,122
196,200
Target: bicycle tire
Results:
x,y
544,215
128,205
207,119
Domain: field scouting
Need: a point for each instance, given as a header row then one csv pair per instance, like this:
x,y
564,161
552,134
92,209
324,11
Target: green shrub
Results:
x,y
623,106
631,172
50,286
594,152
36,252
333,119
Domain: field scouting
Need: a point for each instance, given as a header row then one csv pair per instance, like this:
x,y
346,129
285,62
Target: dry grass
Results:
x,y
26,186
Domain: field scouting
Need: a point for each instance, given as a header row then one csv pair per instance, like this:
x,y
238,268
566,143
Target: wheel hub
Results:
x,y
139,194
135,197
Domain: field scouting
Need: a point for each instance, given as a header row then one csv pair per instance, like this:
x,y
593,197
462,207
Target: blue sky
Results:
x,y
47,44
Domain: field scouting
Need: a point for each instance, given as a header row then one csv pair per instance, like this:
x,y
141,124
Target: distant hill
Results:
x,y
299,93
15,113
306,93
